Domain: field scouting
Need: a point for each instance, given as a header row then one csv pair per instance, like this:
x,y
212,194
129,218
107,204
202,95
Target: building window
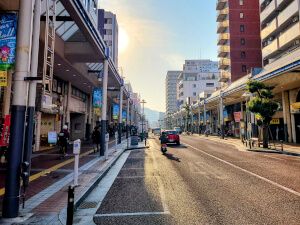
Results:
x,y
242,28
241,2
194,85
243,55
243,41
194,94
210,84
244,68
241,15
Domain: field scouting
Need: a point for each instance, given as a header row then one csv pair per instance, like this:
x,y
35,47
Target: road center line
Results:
x,y
246,171
132,214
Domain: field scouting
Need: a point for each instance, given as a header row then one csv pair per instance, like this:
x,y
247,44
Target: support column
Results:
x,y
128,118
199,120
23,51
204,117
120,115
286,116
68,116
221,116
7,94
104,108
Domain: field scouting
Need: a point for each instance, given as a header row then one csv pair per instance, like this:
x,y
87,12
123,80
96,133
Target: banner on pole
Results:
x,y
4,139
116,109
124,116
8,40
97,98
3,78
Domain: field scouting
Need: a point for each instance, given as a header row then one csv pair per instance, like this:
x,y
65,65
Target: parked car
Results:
x,y
172,136
178,129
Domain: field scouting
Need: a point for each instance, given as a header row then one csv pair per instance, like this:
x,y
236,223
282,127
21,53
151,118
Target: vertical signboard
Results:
x,y
4,139
124,115
115,111
3,78
8,40
97,101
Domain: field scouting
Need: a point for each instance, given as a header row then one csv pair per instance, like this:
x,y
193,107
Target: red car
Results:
x,y
172,136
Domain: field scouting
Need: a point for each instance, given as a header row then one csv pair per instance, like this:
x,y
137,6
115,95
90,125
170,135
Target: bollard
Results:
x,y
281,142
116,140
70,207
76,152
106,146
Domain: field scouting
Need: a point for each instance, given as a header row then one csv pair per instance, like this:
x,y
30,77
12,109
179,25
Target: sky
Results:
x,y
158,35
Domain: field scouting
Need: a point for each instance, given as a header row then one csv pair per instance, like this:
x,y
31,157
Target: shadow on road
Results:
x,y
176,146
172,157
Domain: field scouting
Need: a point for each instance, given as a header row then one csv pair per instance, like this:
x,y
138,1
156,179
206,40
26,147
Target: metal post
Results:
x,y
204,117
104,107
120,115
70,207
32,86
143,115
12,184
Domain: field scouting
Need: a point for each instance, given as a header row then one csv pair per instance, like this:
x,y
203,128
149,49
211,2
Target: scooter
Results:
x,y
163,148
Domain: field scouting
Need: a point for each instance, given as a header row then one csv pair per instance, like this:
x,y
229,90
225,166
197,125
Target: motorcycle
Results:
x,y
163,148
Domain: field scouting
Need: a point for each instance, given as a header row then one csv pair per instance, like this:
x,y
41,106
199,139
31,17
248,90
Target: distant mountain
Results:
x,y
152,116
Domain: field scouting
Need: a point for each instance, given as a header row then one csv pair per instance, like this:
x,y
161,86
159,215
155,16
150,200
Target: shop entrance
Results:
x,y
297,121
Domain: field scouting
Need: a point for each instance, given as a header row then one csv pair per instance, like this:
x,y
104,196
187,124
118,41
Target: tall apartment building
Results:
x,y
239,38
109,30
171,91
197,76
280,28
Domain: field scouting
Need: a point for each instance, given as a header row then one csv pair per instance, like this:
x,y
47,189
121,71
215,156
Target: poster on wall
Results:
x,y
237,116
97,98
124,116
115,111
8,40
4,138
52,137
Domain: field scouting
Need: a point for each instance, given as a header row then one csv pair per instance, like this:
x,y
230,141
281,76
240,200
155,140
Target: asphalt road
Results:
x,y
202,182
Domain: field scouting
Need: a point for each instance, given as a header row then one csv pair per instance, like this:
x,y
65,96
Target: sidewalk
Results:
x,y
46,206
289,149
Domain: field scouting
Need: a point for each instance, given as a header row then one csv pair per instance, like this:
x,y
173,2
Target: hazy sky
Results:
x,y
157,35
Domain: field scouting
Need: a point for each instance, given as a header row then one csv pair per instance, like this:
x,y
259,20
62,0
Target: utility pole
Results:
x,y
221,115
18,112
104,105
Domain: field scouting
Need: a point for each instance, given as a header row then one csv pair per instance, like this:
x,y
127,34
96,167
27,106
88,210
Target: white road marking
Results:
x,y
246,171
160,185
132,214
273,157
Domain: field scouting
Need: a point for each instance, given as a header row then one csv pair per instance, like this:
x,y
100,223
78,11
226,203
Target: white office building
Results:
x,y
197,76
109,30
171,91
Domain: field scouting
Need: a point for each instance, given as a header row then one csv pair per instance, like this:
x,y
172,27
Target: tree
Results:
x,y
263,106
187,109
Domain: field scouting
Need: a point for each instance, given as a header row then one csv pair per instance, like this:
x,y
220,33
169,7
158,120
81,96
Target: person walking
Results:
x,y
96,137
63,140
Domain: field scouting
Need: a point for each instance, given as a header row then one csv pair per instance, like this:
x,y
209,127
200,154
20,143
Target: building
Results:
x,y
280,33
171,91
280,30
197,76
239,38
108,28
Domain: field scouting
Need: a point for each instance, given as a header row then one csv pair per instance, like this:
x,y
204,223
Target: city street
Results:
x,y
200,182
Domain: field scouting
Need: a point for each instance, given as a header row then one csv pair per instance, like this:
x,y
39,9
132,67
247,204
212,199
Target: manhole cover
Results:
x,y
88,205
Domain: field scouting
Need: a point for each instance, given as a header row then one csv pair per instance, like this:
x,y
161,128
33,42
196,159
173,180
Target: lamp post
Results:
x,y
221,114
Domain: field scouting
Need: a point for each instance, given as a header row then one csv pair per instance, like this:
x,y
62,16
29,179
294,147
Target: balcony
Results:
x,y
270,49
224,76
223,51
222,14
270,9
268,29
222,27
289,35
223,38
221,4
288,12
224,63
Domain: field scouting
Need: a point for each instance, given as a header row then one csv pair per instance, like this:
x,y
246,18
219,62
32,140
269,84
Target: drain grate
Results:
x,y
88,205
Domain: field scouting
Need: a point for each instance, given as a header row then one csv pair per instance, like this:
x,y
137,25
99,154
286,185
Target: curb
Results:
x,y
62,213
273,152
136,148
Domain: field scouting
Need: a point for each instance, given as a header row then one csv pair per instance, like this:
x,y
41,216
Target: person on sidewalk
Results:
x,y
63,140
96,137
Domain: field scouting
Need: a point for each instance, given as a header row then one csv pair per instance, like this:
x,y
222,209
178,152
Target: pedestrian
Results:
x,y
96,136
63,140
